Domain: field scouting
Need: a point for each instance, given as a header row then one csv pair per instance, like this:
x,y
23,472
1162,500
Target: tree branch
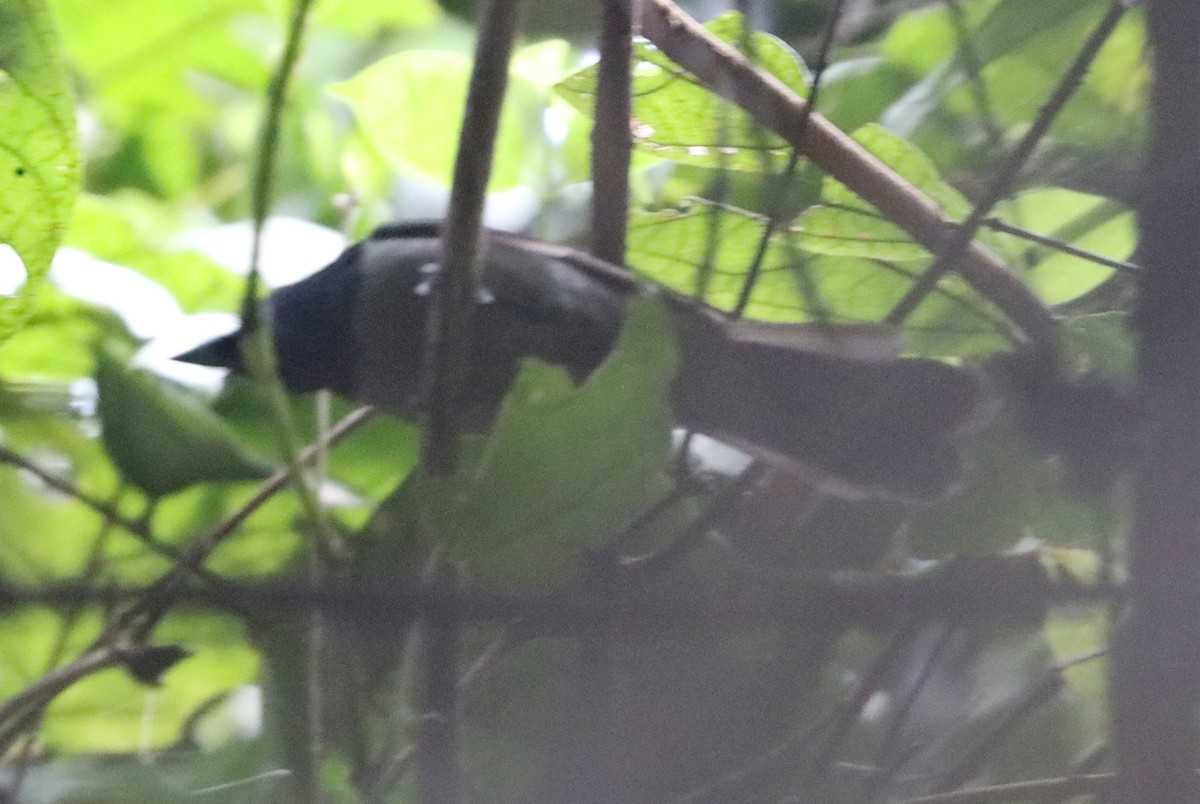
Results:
x,y
776,107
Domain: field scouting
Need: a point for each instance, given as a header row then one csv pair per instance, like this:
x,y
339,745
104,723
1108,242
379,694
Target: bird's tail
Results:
x,y
885,426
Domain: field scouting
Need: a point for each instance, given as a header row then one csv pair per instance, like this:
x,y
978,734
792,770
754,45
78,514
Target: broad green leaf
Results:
x,y
410,105
856,231
39,156
161,437
869,263
952,322
844,225
677,119
565,467
669,247
855,92
906,160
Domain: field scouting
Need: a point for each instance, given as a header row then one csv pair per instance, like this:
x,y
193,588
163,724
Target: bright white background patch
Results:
x,y
292,248
12,271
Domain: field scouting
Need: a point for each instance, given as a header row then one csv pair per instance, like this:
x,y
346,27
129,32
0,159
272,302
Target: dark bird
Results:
x,y
833,397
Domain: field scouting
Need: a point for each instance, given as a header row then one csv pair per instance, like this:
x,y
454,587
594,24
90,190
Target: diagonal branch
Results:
x,y
778,108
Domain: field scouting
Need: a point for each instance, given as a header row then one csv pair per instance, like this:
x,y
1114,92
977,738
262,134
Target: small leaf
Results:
x,y
148,664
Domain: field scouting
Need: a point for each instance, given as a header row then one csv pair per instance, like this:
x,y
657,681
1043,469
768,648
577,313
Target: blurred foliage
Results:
x,y
162,101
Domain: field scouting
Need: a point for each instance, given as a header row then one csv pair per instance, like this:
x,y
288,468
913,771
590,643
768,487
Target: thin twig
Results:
x,y
154,601
448,336
965,51
34,698
1060,245
1036,790
138,528
437,745
977,591
612,139
780,183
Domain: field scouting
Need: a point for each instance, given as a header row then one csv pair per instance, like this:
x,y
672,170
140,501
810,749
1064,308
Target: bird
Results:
x,y
835,398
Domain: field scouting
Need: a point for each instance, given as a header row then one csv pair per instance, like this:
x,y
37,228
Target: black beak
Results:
x,y
222,352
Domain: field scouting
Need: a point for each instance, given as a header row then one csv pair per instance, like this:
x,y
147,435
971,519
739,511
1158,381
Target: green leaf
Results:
x,y
134,717
1101,344
868,263
410,106
669,247
143,56
844,225
39,156
565,467
161,437
1107,109
856,231
927,42
1010,493
1087,222
54,342
677,119
855,92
